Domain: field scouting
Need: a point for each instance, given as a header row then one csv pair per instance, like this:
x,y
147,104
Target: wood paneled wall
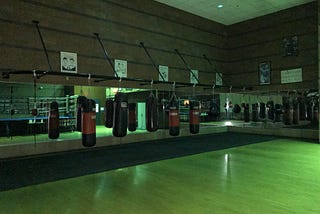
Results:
x,y
261,39
122,25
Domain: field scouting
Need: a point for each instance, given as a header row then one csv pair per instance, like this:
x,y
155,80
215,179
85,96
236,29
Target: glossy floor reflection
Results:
x,y
279,176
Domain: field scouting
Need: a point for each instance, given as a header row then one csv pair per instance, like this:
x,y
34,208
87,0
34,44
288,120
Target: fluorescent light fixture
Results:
x,y
220,6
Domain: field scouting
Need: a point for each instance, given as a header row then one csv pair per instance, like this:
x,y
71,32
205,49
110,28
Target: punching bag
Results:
x,y
80,101
214,110
270,112
302,109
53,121
132,122
88,122
262,113
194,116
316,112
120,115
277,112
255,112
174,120
246,112
236,109
152,113
287,114
296,112
310,111
108,110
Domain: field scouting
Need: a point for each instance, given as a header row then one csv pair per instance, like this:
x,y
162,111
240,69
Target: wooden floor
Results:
x,y
279,176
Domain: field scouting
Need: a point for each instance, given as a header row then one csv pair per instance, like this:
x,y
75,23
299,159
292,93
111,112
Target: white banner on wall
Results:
x,y
193,79
292,75
120,66
68,62
164,70
219,79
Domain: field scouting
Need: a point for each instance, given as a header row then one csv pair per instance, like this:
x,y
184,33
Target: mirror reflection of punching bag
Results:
x,y
194,116
262,112
246,112
255,112
80,102
120,115
277,112
174,120
296,111
108,113
152,113
53,121
88,123
132,122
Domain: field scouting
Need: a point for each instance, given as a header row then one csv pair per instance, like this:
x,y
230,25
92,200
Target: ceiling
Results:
x,y
233,11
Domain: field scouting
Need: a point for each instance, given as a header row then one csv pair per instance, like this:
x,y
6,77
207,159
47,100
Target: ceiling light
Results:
x,y
220,6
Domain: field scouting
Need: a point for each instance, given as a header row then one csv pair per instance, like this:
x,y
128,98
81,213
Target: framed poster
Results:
x,y
264,73
68,62
120,66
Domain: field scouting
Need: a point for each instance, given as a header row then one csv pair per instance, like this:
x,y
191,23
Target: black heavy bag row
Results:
x,y
53,121
108,110
194,116
246,112
88,122
120,116
152,113
287,114
262,112
132,122
255,112
174,120
80,102
296,112
271,110
277,112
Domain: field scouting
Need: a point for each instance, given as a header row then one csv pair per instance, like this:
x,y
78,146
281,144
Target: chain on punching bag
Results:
x,y
108,113
174,120
80,101
132,121
152,113
53,121
88,122
120,115
194,116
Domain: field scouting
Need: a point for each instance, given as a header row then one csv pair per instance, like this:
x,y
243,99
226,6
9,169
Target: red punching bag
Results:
x,y
152,113
194,116
108,113
53,121
132,123
88,122
120,115
80,101
174,120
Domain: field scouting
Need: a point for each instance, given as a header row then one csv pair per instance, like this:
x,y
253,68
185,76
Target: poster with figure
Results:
x,y
120,66
264,73
68,62
194,76
219,79
164,70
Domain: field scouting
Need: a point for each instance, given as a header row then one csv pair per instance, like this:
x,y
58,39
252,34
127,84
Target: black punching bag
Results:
x,y
270,107
53,121
255,112
174,120
120,115
296,111
262,113
132,122
194,116
287,114
236,109
152,113
88,123
302,108
80,101
277,112
246,112
108,110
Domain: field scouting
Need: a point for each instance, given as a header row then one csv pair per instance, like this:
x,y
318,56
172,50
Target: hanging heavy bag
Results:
x,y
255,112
277,112
174,120
287,114
296,112
262,112
316,112
80,101
310,110
270,111
108,110
53,121
302,109
152,113
246,112
120,115
236,109
194,116
88,123
132,122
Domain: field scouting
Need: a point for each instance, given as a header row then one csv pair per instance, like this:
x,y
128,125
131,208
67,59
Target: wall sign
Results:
x,y
192,77
292,75
164,70
120,66
68,62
